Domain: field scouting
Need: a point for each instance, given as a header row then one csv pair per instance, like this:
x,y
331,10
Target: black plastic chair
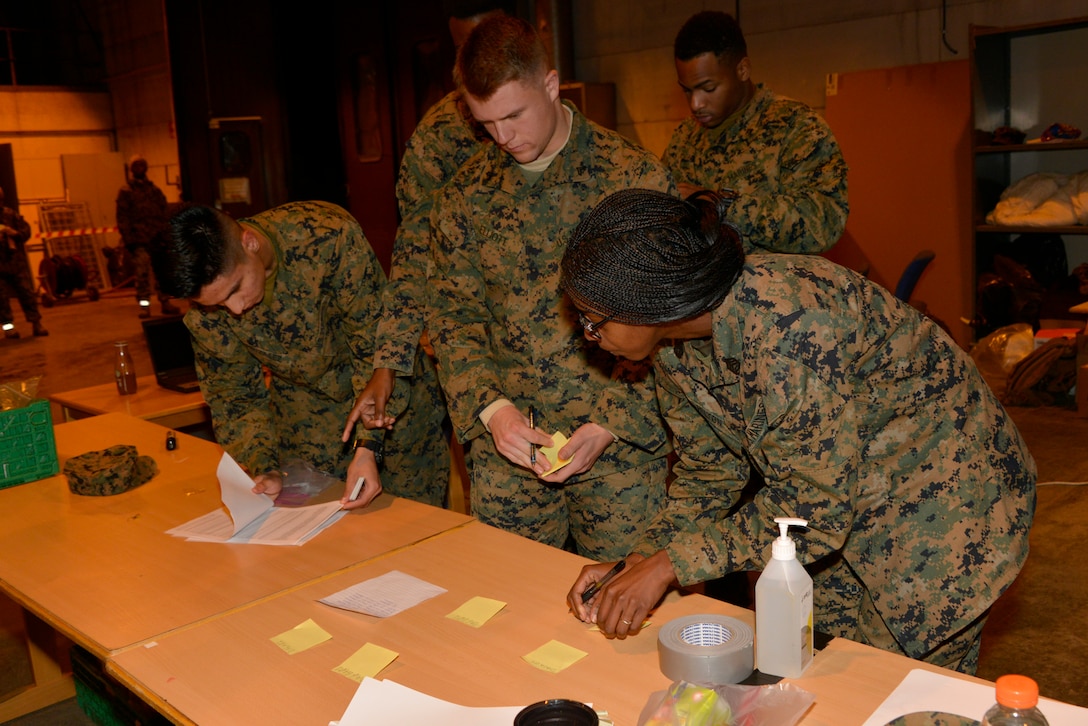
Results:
x,y
912,274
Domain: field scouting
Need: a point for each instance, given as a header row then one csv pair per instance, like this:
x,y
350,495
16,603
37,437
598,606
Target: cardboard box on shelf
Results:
x,y
1045,335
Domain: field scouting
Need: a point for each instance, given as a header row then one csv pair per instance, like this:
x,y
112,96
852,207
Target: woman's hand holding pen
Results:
x,y
514,438
621,605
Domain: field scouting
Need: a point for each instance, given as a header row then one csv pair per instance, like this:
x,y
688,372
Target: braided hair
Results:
x,y
643,257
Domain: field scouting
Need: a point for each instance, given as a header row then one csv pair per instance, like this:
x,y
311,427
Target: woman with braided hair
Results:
x,y
862,416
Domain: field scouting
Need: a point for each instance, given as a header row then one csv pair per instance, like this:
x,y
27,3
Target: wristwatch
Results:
x,y
374,446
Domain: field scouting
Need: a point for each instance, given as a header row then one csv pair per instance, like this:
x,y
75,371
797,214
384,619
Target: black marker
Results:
x,y
532,425
593,589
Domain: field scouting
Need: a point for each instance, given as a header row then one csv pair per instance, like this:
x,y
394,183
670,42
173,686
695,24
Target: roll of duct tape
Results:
x,y
708,650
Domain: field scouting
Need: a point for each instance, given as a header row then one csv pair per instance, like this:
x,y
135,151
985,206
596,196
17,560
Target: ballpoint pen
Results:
x,y
593,589
532,425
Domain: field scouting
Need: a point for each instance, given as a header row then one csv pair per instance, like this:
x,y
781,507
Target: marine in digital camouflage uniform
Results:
x,y
445,139
863,418
778,155
314,332
15,273
141,219
503,332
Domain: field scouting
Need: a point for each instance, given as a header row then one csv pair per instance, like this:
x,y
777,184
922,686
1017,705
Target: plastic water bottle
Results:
x,y
1017,700
123,369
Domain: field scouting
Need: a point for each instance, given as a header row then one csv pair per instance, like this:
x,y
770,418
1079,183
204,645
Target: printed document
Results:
x,y
384,595
251,518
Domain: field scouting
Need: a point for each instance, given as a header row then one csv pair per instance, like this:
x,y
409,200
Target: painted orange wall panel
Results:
x,y
905,133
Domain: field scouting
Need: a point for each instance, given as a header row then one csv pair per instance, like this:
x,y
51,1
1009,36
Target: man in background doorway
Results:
x,y
777,155
14,273
444,139
141,219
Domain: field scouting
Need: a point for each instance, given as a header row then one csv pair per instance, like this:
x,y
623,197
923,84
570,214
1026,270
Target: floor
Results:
x,y
1036,628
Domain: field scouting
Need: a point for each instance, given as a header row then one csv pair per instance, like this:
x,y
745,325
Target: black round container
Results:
x,y
557,712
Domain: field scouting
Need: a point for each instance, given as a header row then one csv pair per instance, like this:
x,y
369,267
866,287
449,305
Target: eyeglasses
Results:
x,y
592,329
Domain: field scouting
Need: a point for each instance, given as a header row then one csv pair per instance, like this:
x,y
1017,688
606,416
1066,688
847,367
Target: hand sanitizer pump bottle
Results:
x,y
784,609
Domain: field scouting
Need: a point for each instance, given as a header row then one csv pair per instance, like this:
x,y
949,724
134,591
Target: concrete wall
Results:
x,y
133,115
137,61
793,45
43,123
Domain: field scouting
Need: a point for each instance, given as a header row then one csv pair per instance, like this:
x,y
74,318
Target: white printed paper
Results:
x,y
236,492
251,518
923,690
386,702
383,596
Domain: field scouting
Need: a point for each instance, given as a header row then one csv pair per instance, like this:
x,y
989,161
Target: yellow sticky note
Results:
x,y
302,636
554,656
552,453
477,611
367,661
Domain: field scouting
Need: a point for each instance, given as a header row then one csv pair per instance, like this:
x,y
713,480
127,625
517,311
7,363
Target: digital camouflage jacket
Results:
x,y
314,332
141,213
445,138
864,418
499,323
783,162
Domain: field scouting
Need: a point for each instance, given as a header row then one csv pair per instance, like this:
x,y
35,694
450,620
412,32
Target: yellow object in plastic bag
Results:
x,y
686,704
999,352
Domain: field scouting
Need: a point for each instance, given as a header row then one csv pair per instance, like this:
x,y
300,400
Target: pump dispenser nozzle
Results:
x,y
784,644
784,548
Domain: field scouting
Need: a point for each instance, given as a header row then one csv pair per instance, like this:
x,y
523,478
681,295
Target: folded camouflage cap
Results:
x,y
109,471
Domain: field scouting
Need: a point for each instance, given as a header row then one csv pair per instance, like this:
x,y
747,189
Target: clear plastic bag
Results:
x,y
686,704
18,394
302,482
999,352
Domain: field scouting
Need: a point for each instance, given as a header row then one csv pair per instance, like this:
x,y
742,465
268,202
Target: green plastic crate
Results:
x,y
28,451
104,700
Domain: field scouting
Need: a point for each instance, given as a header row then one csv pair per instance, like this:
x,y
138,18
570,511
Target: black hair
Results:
x,y
710,31
643,257
201,244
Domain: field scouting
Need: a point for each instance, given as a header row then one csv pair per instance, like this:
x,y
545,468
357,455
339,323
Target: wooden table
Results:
x,y
103,572
851,680
220,672
151,402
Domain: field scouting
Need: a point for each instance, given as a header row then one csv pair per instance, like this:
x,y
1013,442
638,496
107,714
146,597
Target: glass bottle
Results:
x,y
123,369
1017,698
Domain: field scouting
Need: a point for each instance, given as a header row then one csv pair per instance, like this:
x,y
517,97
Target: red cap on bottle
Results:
x,y
1017,691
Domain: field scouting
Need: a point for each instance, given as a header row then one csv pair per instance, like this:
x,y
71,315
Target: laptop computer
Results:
x,y
171,351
